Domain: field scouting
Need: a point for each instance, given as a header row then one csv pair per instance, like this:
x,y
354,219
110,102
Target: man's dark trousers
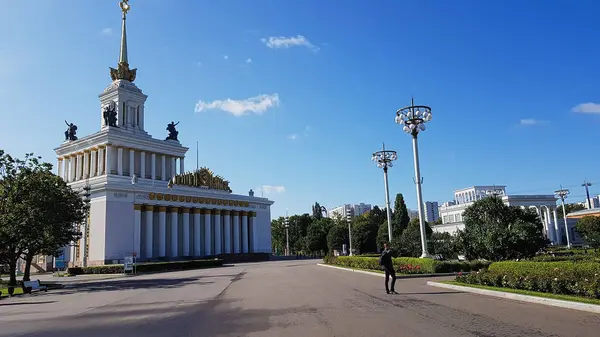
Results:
x,y
389,271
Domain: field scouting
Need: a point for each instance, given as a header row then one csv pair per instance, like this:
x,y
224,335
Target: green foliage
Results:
x,y
317,211
568,208
565,278
410,241
337,236
148,267
589,228
444,244
400,218
495,231
406,265
316,235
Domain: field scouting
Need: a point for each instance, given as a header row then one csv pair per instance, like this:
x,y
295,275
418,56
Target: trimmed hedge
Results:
x,y
147,267
565,278
407,265
571,258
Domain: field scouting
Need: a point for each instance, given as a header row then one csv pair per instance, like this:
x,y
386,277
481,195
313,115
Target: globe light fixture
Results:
x,y
385,159
412,119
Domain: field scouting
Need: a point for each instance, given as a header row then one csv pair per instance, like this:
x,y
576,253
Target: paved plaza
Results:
x,y
288,298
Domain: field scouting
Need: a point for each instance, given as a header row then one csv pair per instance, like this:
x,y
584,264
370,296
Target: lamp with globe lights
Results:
x,y
413,119
385,159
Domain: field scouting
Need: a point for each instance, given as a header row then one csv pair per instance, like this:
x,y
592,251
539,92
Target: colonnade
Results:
x,y
161,231
551,228
118,160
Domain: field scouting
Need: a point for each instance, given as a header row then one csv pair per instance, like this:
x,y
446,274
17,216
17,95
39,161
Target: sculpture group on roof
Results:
x,y
71,132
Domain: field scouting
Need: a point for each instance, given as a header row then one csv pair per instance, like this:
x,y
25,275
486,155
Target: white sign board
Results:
x,y
128,263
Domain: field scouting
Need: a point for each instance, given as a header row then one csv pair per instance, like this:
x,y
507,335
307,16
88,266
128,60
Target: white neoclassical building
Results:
x,y
168,213
545,205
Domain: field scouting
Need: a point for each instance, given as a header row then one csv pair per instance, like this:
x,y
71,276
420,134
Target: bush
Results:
x,y
571,258
147,267
567,278
407,265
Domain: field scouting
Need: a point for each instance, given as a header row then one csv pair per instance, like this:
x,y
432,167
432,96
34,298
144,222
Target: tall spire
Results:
x,y
123,72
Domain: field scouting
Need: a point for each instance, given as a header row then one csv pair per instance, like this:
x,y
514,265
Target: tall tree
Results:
x,y
337,236
495,231
317,212
400,218
410,241
278,242
589,228
316,236
58,210
568,209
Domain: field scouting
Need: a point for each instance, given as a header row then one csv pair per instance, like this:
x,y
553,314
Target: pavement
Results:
x,y
284,298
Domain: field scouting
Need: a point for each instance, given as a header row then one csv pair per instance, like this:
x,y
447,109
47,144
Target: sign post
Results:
x,y
128,264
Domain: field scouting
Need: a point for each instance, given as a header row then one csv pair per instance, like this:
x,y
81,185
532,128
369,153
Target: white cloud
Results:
x,y
226,57
268,189
258,105
306,130
249,60
288,42
293,136
531,121
107,31
590,108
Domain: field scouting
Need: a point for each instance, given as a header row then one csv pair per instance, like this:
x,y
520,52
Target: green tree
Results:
x,y
444,244
56,207
410,240
589,228
337,236
316,236
317,211
400,218
568,208
278,242
495,231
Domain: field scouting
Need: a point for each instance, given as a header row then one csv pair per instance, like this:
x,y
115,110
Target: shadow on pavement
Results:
x,y
210,318
25,303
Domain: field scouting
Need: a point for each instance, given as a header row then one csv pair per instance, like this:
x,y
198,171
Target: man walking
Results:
x,y
385,260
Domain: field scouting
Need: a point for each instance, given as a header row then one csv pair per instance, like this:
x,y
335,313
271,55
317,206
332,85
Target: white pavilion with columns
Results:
x,y
545,206
168,213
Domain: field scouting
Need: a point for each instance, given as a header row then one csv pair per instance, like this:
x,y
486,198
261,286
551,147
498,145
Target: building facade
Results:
x,y
349,209
432,212
545,206
143,202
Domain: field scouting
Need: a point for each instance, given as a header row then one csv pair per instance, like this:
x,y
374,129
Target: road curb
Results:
x,y
523,298
383,275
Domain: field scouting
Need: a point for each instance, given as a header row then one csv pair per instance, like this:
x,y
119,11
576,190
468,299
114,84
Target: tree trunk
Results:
x,y
27,272
12,282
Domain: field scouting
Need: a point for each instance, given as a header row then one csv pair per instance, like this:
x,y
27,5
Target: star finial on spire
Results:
x,y
123,72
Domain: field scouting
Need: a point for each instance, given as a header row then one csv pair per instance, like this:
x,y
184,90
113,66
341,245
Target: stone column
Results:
x,y
109,159
163,172
149,209
101,169
131,162
120,161
197,233
557,226
73,162
186,231
254,229
207,232
226,231
86,164
181,165
59,168
236,232
244,232
174,231
79,166
143,165
153,166
173,167
218,225
551,233
137,229
65,169
94,163
162,231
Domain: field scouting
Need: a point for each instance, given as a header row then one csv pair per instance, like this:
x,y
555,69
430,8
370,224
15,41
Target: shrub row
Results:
x,y
407,265
567,278
147,267
572,258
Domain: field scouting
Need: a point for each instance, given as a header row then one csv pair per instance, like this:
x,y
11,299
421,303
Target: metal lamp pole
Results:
x,y
413,119
134,181
287,234
349,221
384,159
86,200
562,194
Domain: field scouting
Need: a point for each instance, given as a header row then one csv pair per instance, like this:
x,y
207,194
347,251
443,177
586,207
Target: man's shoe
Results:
x,y
393,292
387,292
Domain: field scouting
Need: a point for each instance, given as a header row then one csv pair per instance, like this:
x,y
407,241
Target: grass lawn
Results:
x,y
530,293
4,291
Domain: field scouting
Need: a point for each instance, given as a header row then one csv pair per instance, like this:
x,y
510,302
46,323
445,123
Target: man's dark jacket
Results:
x,y
386,258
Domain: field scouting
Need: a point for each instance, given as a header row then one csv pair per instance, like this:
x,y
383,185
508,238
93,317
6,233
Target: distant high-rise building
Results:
x,y
432,212
343,210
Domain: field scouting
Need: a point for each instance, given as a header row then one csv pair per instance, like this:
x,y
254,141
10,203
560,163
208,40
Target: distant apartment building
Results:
x,y
594,202
432,211
349,209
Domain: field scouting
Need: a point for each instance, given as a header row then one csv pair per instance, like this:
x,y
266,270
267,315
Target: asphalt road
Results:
x,y
291,298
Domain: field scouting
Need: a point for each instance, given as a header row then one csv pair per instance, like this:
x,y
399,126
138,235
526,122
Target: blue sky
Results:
x,y
502,77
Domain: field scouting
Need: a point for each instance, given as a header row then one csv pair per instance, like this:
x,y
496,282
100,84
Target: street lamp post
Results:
x,y
86,199
287,234
384,159
134,181
349,221
413,119
562,194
